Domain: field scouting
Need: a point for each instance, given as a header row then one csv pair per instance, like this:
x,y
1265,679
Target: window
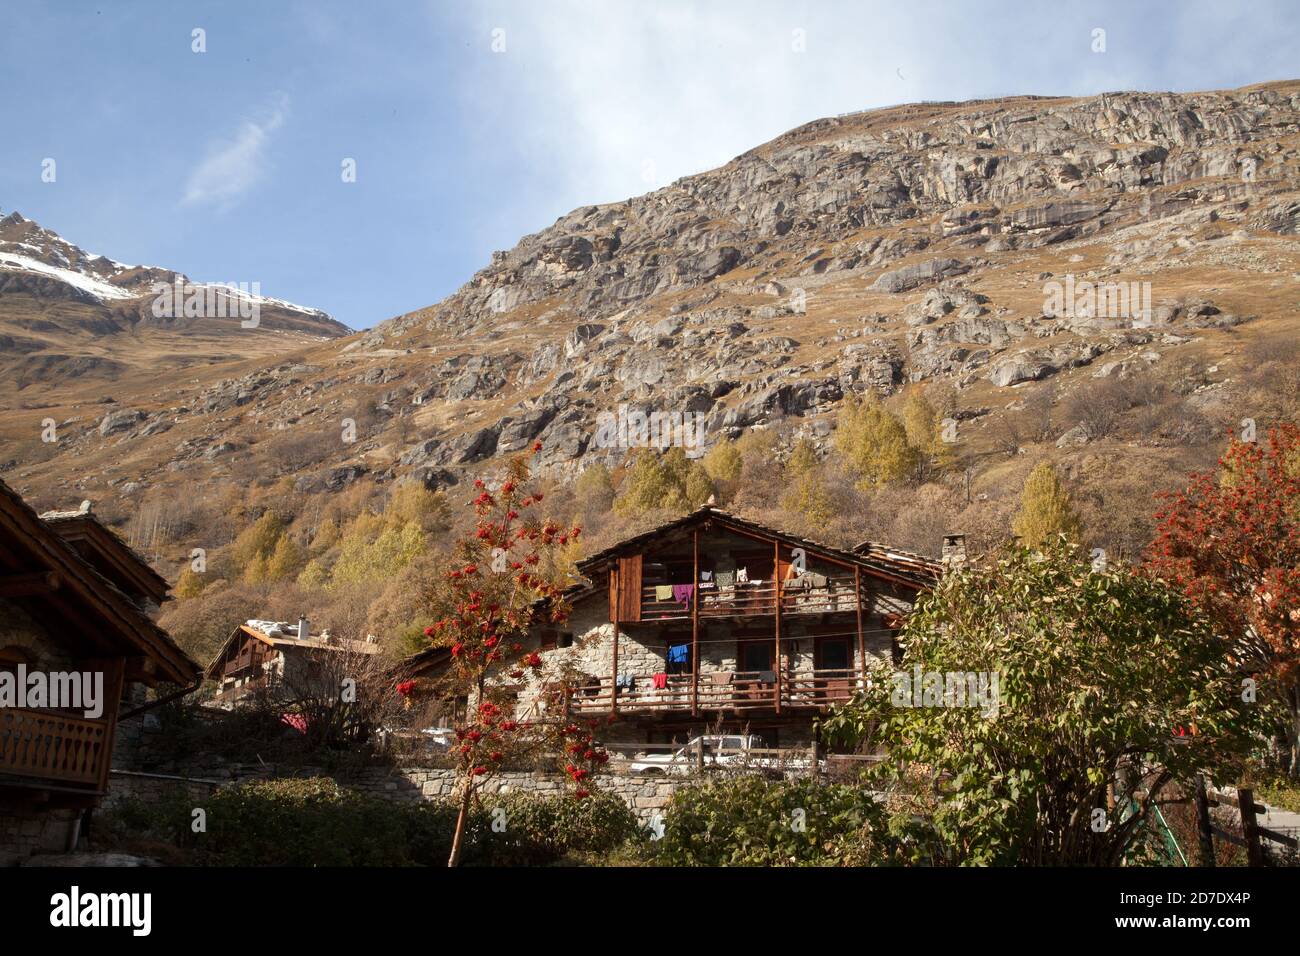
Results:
x,y
566,639
755,656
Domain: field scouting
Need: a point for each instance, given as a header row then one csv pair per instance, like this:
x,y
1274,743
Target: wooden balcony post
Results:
x,y
113,669
776,661
614,584
857,600
695,626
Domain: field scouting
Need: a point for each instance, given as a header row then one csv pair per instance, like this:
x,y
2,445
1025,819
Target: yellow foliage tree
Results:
x,y
1045,509
925,435
723,461
314,576
806,493
255,571
189,584
285,561
873,442
256,541
669,481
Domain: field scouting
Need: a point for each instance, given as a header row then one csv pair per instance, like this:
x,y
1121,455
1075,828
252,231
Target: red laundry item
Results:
x,y
661,681
297,721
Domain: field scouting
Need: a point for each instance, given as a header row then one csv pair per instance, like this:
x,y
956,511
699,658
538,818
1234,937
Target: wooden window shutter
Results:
x,y
629,588
613,594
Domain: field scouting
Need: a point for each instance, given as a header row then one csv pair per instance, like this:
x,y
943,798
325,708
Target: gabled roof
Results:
x,y
108,553
89,610
886,563
247,631
431,658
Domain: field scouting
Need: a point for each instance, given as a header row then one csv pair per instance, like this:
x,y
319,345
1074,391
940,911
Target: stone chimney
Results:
x,y
304,628
954,550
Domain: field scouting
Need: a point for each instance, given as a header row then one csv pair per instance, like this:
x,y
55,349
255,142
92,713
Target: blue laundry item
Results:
x,y
678,653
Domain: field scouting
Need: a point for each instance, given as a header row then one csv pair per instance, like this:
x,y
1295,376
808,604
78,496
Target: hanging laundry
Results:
x,y
663,592
706,576
726,579
660,681
678,653
742,576
624,682
682,593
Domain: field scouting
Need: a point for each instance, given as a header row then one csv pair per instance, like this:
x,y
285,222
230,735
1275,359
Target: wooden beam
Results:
x,y
615,586
695,626
776,661
862,648
34,584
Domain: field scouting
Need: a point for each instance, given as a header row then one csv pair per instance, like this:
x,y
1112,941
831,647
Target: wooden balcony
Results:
x,y
53,747
720,691
839,594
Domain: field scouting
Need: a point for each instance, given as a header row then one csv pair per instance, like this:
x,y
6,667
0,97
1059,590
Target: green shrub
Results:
x,y
302,822
748,821
315,822
542,830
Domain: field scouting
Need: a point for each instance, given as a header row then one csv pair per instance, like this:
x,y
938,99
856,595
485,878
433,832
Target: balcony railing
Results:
x,y
718,691
747,600
55,747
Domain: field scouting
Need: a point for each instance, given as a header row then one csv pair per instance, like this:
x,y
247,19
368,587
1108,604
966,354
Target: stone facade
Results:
x,y
642,653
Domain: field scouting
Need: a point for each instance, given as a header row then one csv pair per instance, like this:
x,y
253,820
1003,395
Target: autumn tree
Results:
x,y
490,593
1231,542
925,435
251,550
805,482
1081,696
668,481
1046,511
874,443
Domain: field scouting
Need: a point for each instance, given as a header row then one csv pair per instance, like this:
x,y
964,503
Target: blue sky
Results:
x,y
226,164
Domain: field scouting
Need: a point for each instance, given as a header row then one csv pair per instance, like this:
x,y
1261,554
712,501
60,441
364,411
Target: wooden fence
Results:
x,y
1252,835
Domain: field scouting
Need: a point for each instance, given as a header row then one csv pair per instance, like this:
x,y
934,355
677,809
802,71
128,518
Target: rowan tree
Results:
x,y
1231,541
491,591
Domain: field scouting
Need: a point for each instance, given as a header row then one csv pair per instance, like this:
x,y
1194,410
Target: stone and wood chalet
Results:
x,y
74,599
713,620
278,658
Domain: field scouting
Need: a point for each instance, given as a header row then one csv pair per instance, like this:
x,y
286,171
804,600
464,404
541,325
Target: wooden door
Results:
x,y
833,654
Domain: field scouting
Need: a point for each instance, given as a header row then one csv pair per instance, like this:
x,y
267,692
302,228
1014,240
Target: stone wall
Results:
x,y
643,795
25,829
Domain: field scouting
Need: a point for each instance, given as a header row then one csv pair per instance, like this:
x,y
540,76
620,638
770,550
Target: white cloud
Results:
x,y
235,165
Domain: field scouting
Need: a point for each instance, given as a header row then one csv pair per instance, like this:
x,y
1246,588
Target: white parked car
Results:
x,y
440,737
720,750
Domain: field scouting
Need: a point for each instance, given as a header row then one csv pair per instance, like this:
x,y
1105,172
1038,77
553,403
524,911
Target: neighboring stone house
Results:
x,y
75,602
281,660
715,620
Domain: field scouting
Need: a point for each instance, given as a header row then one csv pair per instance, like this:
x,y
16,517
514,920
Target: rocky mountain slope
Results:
x,y
941,243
